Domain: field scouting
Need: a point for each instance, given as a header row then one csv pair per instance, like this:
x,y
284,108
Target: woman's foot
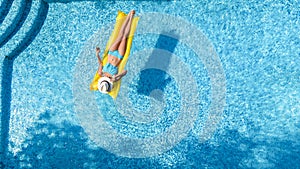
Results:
x,y
131,13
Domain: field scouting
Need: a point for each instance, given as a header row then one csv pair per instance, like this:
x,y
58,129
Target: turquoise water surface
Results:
x,y
210,84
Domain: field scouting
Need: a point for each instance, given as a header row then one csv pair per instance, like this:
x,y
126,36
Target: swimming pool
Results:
x,y
210,85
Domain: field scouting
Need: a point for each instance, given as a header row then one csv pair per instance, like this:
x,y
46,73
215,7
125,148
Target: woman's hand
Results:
x,y
97,50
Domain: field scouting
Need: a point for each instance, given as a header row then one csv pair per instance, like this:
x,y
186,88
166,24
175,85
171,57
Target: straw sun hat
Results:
x,y
105,85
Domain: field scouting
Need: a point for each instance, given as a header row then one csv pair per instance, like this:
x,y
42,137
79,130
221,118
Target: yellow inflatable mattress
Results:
x,y
119,21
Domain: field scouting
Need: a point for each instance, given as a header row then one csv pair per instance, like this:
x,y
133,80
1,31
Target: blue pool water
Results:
x,y
210,84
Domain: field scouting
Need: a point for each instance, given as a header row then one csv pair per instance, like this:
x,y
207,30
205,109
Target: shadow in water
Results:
x,y
227,153
233,150
7,70
151,79
114,1
66,146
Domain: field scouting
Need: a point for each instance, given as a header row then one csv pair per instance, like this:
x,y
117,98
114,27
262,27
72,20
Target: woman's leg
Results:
x,y
123,44
123,33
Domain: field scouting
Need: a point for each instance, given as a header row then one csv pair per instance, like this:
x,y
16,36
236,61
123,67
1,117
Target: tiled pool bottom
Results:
x,y
260,125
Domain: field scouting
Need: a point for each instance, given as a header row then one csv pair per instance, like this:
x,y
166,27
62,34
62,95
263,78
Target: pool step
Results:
x,y
26,34
16,23
13,17
4,9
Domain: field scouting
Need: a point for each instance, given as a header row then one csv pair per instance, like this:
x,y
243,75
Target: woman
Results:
x,y
109,71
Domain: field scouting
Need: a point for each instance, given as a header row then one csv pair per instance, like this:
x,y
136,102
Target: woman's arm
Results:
x,y
98,56
119,76
99,60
